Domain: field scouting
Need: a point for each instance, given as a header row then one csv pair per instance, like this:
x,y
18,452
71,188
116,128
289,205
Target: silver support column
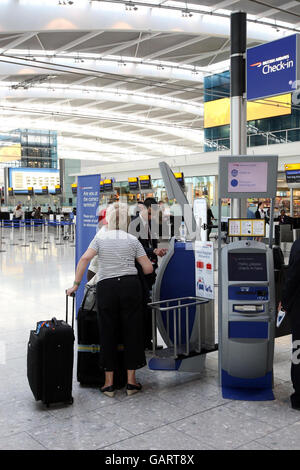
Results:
x,y
291,202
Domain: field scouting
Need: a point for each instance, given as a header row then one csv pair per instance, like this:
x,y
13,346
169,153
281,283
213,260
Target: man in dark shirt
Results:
x,y
145,227
283,218
290,303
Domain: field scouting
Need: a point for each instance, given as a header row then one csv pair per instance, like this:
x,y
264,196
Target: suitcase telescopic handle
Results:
x,y
73,308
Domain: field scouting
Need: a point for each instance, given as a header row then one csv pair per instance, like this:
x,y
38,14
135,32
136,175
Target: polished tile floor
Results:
x,y
176,411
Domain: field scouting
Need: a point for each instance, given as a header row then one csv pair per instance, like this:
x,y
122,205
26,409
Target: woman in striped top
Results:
x,y
119,295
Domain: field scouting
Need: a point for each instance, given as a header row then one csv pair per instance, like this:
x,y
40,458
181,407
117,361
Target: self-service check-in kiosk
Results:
x,y
184,319
246,285
248,319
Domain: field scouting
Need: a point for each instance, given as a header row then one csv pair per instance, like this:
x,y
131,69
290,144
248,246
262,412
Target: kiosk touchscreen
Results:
x,y
248,318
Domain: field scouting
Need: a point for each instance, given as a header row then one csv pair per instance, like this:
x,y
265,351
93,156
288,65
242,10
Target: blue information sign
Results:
x,y
86,220
272,68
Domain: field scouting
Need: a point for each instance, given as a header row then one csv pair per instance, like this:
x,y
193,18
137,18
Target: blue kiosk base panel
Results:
x,y
235,388
188,364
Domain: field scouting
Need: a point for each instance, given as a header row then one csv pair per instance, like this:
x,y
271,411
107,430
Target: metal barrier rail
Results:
x,y
32,224
158,307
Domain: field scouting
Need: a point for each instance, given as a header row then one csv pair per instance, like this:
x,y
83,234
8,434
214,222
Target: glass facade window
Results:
x,y
267,131
39,148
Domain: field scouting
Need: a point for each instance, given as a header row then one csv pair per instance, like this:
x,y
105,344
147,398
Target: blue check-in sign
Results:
x,y
272,68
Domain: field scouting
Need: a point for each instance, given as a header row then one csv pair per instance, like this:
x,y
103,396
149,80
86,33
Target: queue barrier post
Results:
x,y
1,228
43,247
24,234
12,225
32,232
59,233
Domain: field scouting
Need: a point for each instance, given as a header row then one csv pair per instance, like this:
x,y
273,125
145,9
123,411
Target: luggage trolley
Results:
x,y
175,315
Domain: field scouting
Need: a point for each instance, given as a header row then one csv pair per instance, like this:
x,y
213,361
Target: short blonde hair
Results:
x,y
117,216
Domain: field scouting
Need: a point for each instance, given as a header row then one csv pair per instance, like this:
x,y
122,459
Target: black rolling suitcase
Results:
x,y
89,364
50,357
89,371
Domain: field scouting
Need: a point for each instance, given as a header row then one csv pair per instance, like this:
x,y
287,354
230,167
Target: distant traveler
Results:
x,y
290,303
38,214
119,295
210,218
18,214
260,213
283,218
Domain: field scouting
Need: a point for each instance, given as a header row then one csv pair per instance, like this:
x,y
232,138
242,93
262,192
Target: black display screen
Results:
x,y
247,267
292,176
133,184
145,182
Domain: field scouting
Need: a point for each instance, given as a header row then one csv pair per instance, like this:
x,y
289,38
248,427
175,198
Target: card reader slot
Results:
x,y
248,308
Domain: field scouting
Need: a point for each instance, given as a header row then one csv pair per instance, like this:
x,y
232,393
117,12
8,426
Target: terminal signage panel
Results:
x,y
145,182
292,173
57,189
272,68
22,178
107,185
133,183
180,178
246,227
247,177
204,265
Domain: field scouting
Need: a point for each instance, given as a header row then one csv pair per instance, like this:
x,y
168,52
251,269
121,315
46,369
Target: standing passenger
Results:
x,y
290,303
119,295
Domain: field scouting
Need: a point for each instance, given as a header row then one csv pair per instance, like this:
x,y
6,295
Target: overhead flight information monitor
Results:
x,y
133,183
292,173
180,178
57,189
145,182
108,185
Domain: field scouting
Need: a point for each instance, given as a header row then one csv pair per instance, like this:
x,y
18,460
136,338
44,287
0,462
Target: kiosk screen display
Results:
x,y
247,267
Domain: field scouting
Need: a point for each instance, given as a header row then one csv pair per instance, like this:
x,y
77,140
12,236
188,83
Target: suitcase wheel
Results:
x,y
71,401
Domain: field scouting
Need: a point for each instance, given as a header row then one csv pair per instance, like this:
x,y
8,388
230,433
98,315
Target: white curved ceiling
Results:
x,y
121,80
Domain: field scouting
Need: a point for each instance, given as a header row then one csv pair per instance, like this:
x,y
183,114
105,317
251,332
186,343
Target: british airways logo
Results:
x,y
274,65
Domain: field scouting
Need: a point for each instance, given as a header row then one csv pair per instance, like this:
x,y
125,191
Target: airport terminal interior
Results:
x,y
106,102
